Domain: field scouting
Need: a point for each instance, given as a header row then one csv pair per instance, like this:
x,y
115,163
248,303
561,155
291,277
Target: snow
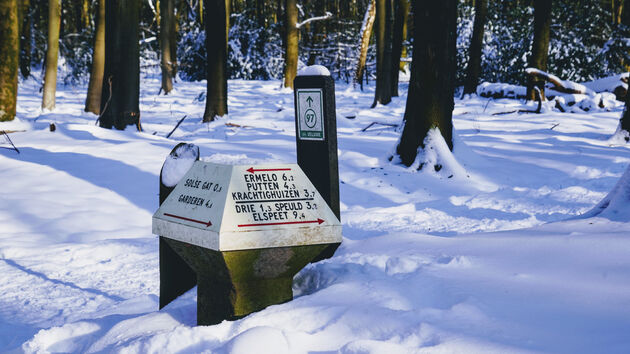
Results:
x,y
314,70
608,84
504,256
178,163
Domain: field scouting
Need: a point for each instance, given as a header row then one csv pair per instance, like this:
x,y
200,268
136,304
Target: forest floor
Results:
x,y
489,254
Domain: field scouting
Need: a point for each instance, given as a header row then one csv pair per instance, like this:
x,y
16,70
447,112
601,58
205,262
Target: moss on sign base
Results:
x,y
233,284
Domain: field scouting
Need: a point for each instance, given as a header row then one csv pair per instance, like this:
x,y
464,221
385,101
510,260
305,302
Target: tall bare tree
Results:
x,y
95,87
366,34
540,47
432,85
617,9
474,51
52,54
217,24
9,56
25,37
401,11
167,44
290,42
121,80
383,33
624,122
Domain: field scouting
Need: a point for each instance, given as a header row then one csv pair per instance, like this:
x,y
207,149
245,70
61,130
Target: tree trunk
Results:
x,y
405,34
383,91
85,14
617,9
201,2
260,13
121,79
216,47
366,33
402,8
25,39
624,17
474,51
9,56
432,85
540,46
52,53
167,47
624,122
95,87
290,42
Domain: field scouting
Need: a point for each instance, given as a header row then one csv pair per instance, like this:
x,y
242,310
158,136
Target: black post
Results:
x,y
316,139
176,276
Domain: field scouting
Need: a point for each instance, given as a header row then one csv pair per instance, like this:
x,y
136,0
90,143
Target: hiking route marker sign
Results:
x,y
232,207
310,114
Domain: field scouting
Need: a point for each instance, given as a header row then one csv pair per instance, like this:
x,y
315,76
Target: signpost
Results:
x,y
316,136
245,231
242,232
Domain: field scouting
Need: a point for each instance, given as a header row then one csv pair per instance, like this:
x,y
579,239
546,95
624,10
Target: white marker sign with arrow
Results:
x,y
310,114
231,207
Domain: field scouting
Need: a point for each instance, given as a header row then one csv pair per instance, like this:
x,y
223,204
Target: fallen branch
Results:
x,y
564,86
2,132
318,18
176,125
228,124
375,123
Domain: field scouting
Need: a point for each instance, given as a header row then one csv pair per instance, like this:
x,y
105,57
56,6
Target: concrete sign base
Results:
x,y
233,284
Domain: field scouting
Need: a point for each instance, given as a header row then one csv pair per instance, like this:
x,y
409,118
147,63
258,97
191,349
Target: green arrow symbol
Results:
x,y
309,100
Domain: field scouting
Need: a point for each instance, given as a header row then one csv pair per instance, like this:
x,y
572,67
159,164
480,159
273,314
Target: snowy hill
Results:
x,y
519,245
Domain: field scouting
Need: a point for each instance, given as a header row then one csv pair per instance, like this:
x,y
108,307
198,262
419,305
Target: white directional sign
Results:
x,y
310,110
229,207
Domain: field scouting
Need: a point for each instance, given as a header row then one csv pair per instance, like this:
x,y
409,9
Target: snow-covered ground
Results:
x,y
487,255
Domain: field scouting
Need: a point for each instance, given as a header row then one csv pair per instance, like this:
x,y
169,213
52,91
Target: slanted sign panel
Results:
x,y
250,207
310,108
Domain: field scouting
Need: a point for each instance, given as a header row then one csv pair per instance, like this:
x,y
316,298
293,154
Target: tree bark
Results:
x,y
624,122
290,42
617,9
474,51
366,34
383,91
25,39
52,54
401,11
624,17
95,87
540,46
431,88
9,56
216,47
85,14
121,80
167,47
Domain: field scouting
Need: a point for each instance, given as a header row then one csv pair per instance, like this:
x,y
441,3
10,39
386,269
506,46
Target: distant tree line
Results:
x,y
453,43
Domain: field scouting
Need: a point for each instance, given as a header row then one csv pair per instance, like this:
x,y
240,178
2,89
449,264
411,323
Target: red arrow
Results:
x,y
318,221
252,170
208,224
